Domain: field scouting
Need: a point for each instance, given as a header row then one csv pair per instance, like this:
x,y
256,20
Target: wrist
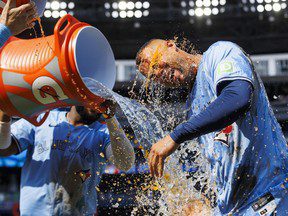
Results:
x,y
174,138
171,140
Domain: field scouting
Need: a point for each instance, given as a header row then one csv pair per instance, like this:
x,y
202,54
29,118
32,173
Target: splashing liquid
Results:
x,y
178,192
41,27
171,194
178,188
37,54
35,32
38,19
153,65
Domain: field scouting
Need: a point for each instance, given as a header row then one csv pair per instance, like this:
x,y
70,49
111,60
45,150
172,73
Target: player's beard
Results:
x,y
86,117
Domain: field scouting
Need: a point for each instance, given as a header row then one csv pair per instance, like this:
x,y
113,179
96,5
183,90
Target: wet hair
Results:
x,y
138,59
186,45
85,117
181,43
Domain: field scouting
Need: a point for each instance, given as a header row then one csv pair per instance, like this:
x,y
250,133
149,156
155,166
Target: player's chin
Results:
x,y
171,83
174,85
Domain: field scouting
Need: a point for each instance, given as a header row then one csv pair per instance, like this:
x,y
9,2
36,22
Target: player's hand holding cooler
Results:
x,y
13,21
110,108
17,19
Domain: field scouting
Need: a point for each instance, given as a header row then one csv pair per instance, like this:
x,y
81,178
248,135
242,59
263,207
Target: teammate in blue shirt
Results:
x,y
66,157
14,20
230,115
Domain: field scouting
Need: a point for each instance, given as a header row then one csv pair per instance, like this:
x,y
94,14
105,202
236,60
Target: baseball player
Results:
x,y
66,157
230,115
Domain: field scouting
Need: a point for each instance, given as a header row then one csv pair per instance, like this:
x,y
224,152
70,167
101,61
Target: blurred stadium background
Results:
x,y
259,26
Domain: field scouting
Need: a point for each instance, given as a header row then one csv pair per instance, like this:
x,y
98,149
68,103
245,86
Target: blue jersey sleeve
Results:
x,y
4,34
24,133
230,63
233,101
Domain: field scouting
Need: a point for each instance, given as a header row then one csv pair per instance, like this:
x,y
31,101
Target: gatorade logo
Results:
x,y
46,90
225,67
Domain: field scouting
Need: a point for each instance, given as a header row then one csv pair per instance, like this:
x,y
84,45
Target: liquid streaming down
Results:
x,y
174,191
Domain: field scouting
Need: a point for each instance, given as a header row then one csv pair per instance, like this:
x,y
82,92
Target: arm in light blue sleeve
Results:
x,y
233,101
24,134
5,33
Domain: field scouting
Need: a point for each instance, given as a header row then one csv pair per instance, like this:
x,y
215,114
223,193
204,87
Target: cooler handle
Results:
x,y
34,121
60,34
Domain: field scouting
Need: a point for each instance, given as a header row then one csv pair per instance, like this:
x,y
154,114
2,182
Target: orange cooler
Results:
x,y
38,75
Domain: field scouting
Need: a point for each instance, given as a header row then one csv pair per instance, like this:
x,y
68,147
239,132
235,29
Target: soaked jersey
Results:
x,y
249,158
63,165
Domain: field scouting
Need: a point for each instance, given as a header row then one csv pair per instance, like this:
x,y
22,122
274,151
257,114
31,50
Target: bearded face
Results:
x,y
162,62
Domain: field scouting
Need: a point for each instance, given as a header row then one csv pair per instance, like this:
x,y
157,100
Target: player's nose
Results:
x,y
177,73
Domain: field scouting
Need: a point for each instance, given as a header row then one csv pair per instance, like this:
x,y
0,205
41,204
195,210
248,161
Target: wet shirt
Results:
x,y
249,158
63,165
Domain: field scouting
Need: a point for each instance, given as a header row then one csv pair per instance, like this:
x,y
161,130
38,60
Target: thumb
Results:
x,y
11,4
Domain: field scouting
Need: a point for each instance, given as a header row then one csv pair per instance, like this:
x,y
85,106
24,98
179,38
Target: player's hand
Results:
x,y
159,152
196,207
110,108
18,19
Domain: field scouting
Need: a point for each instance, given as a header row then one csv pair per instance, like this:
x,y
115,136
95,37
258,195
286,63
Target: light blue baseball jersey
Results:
x,y
251,160
63,165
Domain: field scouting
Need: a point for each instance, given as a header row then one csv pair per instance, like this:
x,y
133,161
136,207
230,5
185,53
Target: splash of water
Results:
x,y
41,27
145,125
171,194
179,189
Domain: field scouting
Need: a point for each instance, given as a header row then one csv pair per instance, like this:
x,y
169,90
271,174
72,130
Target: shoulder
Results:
x,y
221,48
56,113
101,132
100,127
223,45
54,117
222,51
